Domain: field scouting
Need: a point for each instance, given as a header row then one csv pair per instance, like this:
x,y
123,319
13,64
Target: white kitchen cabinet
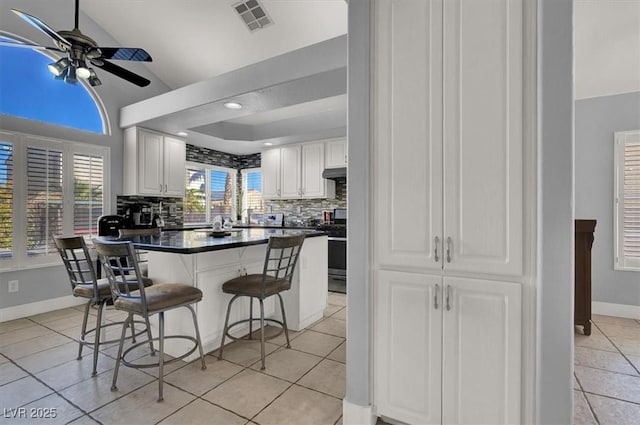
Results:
x,y
447,349
448,185
336,153
154,163
295,172
290,166
270,166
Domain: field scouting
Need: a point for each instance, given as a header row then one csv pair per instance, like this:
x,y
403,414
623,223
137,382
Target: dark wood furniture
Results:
x,y
583,242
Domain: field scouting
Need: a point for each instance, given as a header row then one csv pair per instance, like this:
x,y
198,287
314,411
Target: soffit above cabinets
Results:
x,y
295,97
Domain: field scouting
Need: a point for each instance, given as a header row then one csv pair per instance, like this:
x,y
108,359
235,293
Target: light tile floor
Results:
x,y
39,374
607,373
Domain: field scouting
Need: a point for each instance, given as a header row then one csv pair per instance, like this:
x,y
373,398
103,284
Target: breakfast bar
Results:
x,y
196,258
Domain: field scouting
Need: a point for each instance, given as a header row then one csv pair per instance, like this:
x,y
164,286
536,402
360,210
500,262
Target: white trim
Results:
x,y
616,310
25,310
354,414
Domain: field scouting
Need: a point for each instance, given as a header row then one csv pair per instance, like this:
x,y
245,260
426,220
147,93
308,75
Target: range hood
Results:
x,y
335,173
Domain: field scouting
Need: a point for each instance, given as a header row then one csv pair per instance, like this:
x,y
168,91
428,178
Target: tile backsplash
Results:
x,y
172,208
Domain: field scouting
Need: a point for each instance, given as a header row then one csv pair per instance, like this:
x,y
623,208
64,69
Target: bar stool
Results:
x,y
279,265
82,276
118,259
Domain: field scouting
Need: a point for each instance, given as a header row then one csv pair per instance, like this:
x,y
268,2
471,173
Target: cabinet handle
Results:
x,y
166,187
160,187
435,297
449,243
448,297
345,159
436,243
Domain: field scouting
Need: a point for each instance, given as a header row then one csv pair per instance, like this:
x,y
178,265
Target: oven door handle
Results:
x,y
332,238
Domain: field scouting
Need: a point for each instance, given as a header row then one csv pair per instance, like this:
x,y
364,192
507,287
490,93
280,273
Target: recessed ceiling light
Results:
x,y
182,133
268,144
233,105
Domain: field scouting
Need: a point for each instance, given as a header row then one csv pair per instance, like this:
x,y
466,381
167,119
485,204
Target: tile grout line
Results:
x,y
591,409
613,398
617,348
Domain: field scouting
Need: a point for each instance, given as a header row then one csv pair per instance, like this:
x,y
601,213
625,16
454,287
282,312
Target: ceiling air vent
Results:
x,y
253,14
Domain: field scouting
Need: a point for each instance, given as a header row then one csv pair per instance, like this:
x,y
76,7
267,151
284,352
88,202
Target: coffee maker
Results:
x,y
139,214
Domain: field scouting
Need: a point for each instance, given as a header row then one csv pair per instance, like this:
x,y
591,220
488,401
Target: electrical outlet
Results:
x,y
14,285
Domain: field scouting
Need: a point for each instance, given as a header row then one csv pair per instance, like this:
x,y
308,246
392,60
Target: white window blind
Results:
x,y
88,192
627,217
6,200
210,192
44,199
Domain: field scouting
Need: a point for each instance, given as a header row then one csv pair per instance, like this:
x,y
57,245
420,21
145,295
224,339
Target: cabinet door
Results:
x,y
175,152
483,135
481,352
408,347
407,163
290,172
336,152
270,166
313,185
150,154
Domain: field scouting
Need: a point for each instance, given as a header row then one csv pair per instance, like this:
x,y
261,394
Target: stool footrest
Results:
x,y
244,338
156,364
90,331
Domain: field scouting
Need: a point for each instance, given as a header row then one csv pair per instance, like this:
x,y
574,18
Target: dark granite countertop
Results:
x,y
239,226
192,242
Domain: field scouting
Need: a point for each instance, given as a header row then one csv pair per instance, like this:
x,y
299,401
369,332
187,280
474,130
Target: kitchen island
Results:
x,y
198,259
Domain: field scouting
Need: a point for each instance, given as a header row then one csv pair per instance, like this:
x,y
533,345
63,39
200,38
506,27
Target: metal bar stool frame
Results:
x,y
119,258
82,275
279,265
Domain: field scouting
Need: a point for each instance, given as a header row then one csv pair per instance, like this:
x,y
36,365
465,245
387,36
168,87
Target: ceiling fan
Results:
x,y
81,51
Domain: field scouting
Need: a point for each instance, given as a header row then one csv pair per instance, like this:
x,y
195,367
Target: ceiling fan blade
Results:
x,y
42,27
125,54
120,72
29,45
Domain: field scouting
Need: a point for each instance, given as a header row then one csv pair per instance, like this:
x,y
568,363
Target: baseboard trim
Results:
x,y
25,310
616,310
354,414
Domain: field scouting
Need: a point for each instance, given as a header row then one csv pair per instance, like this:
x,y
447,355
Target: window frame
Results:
x,y
621,139
20,260
207,189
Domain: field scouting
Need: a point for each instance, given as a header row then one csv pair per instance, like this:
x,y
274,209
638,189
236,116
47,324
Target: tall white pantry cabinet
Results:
x,y
448,209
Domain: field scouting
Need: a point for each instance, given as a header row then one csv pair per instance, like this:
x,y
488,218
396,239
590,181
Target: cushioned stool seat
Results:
x,y
252,285
161,296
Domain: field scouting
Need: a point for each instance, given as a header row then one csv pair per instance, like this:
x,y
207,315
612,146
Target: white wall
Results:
x,y
597,119
52,282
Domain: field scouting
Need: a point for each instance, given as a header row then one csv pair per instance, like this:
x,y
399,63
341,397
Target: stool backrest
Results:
x,y
77,261
121,267
281,259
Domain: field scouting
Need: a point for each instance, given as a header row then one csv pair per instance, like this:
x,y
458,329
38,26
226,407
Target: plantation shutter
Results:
x,y
195,197
44,199
6,200
631,204
88,184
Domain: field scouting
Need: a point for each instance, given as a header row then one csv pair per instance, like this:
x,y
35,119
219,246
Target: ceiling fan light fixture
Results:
x,y
83,72
58,68
71,76
93,78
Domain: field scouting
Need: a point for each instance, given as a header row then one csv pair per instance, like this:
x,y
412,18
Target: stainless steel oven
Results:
x,y
337,247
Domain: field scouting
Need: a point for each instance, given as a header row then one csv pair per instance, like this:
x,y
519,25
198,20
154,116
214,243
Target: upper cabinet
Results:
x,y
295,172
336,153
154,163
449,135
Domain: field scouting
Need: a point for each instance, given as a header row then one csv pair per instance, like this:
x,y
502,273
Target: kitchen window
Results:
x,y
210,192
47,188
627,200
252,201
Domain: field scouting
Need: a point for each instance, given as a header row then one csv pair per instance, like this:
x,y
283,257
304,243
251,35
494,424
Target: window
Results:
x,y
210,193
252,194
47,188
30,91
627,200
